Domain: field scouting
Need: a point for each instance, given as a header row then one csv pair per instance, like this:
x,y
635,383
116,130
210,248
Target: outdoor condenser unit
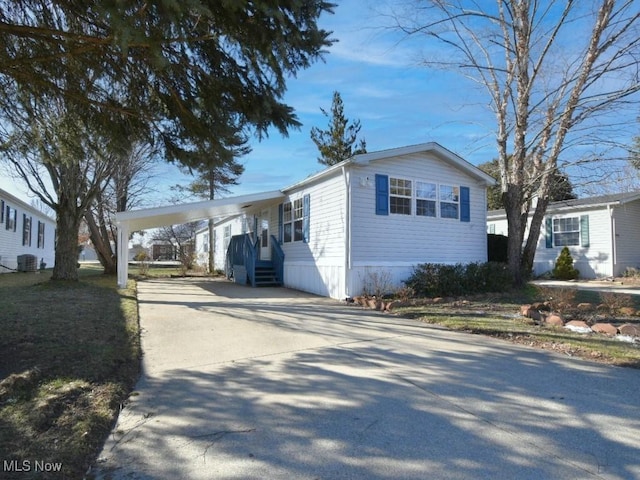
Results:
x,y
27,263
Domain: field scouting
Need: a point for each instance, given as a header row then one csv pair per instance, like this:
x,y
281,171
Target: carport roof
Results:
x,y
191,212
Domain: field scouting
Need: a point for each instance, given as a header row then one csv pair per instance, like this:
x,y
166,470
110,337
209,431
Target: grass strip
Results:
x,y
69,356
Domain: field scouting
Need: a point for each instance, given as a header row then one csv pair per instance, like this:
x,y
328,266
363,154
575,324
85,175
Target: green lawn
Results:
x,y
69,355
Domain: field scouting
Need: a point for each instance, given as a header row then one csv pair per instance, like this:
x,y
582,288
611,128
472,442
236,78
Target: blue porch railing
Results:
x,y
243,260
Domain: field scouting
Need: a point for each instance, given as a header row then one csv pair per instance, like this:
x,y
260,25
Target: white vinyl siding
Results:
x,y
317,266
18,237
626,219
395,243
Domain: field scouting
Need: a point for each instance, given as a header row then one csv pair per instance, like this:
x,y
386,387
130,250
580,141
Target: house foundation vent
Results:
x,y
27,263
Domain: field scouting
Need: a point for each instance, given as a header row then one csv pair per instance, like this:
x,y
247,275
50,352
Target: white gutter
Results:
x,y
347,230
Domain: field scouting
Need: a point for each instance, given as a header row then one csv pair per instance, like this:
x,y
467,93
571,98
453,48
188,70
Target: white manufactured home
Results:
x,y
602,234
373,216
27,236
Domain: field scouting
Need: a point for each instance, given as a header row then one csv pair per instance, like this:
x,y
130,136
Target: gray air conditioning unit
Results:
x,y
27,263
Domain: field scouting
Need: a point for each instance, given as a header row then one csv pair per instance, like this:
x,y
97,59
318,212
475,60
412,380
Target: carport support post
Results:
x,y
123,253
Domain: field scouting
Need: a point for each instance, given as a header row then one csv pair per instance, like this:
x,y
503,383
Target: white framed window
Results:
x,y
426,199
298,214
11,218
26,230
40,234
449,201
566,231
400,196
226,239
287,223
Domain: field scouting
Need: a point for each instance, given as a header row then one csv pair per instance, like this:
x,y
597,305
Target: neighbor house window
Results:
x,y
1,212
26,230
400,196
205,243
298,214
11,218
287,219
449,201
226,239
40,234
426,198
566,231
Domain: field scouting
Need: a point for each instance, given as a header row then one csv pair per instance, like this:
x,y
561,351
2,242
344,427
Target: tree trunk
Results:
x,y
66,251
515,234
101,245
529,252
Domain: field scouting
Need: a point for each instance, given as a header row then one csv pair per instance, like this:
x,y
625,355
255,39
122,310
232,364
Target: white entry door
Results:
x,y
263,229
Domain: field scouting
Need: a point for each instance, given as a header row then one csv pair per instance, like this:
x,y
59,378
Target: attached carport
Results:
x,y
220,209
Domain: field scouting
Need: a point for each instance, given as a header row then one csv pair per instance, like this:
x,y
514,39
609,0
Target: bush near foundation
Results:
x,y
438,280
564,266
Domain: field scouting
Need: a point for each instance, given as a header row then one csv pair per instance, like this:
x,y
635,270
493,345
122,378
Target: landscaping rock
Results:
x,y
534,314
524,310
629,329
554,320
438,300
605,328
541,306
585,306
578,326
627,311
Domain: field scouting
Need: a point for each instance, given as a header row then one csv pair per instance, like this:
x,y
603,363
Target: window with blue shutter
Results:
x,y
382,194
584,230
465,204
306,207
548,232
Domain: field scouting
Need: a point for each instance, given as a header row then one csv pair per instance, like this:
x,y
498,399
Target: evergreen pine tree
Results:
x,y
564,266
337,142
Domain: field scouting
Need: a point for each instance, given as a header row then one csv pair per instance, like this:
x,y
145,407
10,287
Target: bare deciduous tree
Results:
x,y
124,189
554,72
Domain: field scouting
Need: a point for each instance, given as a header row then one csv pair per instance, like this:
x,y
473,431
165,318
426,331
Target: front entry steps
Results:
x,y
266,275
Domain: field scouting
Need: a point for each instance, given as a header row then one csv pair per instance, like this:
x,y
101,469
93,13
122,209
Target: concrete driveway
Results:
x,y
242,383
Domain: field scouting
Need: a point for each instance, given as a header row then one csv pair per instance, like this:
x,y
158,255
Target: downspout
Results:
x,y
347,231
614,253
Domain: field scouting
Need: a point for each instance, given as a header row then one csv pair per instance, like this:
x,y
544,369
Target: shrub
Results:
x,y
377,282
142,257
615,301
433,279
564,266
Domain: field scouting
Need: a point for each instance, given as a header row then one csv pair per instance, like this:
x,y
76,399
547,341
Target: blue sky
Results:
x,y
379,76
381,83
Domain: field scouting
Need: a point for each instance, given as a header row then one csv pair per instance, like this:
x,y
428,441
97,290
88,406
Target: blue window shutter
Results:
x,y
280,223
584,230
306,213
465,204
548,232
382,194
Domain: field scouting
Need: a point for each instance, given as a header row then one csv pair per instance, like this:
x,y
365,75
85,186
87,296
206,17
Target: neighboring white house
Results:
x,y
24,230
602,233
370,218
